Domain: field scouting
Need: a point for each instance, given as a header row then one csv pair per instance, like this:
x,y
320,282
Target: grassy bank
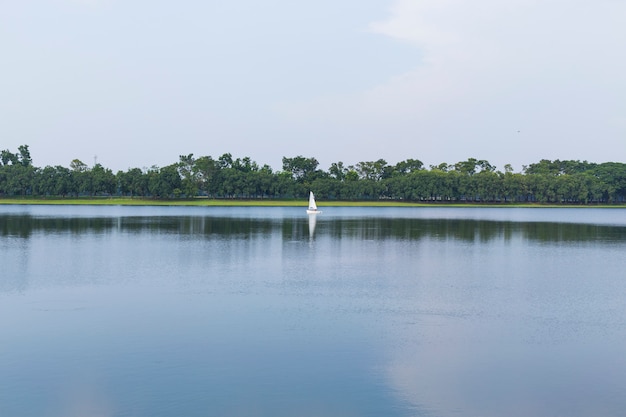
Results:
x,y
121,201
196,202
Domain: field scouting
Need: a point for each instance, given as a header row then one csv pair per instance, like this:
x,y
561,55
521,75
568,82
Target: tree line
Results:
x,y
473,180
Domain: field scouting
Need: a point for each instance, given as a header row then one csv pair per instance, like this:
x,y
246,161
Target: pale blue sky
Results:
x,y
140,82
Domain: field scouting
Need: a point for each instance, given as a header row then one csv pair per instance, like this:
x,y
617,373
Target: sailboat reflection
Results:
x,y
312,221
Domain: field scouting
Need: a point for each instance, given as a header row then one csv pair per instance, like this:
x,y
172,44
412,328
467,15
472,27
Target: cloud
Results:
x,y
511,81
86,2
525,37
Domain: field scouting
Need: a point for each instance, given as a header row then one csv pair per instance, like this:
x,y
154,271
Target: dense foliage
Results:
x,y
569,182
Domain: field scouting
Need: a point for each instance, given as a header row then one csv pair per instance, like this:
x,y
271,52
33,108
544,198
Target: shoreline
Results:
x,y
205,202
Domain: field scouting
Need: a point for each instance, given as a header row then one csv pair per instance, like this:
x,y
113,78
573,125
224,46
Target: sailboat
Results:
x,y
312,206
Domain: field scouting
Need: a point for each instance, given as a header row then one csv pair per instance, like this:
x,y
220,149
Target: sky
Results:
x,y
136,83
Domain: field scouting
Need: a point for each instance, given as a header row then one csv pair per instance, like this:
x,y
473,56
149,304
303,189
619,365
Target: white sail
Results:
x,y
312,206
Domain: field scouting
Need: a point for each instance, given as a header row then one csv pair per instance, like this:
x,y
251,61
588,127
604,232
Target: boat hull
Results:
x,y
313,211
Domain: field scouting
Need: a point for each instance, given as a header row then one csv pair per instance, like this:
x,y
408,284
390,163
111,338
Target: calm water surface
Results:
x,y
165,311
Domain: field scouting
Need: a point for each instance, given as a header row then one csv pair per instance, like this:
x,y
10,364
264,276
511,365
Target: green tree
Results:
x,y
164,182
24,156
103,181
613,175
372,170
8,158
408,166
189,174
207,173
133,182
299,167
18,179
78,166
337,171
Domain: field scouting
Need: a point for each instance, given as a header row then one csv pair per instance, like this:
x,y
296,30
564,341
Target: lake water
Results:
x,y
241,312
